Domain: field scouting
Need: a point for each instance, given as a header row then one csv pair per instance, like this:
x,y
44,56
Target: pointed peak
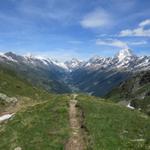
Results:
x,y
126,50
10,54
96,59
73,61
124,53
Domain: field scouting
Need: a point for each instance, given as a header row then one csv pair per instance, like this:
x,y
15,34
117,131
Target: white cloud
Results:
x,y
119,43
138,43
145,23
95,19
136,32
139,31
112,42
58,54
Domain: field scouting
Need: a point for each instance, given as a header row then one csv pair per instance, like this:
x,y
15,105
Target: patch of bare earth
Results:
x,y
76,141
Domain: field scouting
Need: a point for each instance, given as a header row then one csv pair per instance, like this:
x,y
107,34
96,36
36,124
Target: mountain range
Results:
x,y
96,76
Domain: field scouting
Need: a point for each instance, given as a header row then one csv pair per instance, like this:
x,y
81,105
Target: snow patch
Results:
x,y
5,117
129,106
8,57
124,53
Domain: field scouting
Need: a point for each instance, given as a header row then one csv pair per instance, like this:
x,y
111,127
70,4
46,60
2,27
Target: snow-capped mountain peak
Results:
x,y
73,63
8,56
49,61
123,54
125,59
96,59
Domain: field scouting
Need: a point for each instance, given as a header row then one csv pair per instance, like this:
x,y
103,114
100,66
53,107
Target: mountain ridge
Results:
x,y
96,76
125,59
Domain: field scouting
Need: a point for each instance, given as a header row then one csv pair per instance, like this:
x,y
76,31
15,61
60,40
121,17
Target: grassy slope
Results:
x,y
136,90
49,79
12,85
43,126
112,127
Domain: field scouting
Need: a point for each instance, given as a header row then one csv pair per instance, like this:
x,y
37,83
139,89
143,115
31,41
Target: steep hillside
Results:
x,y
136,90
17,92
40,72
98,83
39,120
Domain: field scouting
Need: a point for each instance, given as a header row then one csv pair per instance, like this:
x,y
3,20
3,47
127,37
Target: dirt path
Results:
x,y
76,141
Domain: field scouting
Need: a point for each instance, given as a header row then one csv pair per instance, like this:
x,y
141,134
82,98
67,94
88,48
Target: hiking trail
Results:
x,y
76,141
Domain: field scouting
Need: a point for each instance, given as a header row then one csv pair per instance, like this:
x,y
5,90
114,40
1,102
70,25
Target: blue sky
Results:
x,y
67,28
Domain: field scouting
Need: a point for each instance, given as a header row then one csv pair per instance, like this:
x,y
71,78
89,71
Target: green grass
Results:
x,y
13,85
43,123
44,126
136,90
113,127
41,120
135,97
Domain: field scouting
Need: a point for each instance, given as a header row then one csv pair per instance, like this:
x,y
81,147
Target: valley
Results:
x,y
96,76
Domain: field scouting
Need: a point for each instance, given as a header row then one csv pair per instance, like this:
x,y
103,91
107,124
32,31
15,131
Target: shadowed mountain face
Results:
x,y
135,90
98,83
97,76
43,73
100,75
